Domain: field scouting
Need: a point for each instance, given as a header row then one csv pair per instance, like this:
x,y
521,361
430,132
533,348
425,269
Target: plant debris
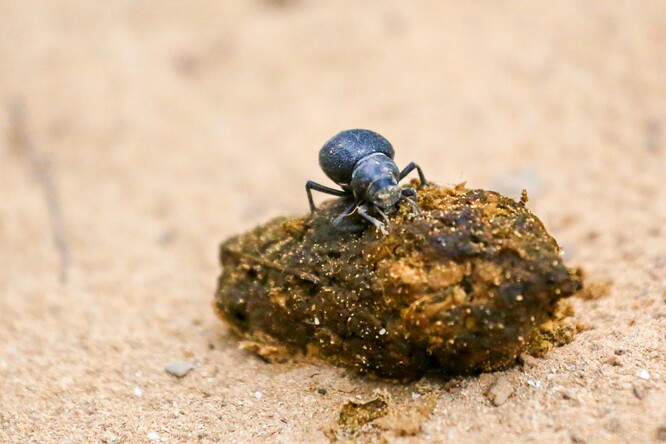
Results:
x,y
354,414
500,391
379,419
466,286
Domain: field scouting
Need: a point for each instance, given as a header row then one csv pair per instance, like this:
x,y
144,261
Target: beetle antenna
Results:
x,y
348,211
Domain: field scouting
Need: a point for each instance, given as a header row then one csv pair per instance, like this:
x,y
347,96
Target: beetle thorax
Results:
x,y
375,180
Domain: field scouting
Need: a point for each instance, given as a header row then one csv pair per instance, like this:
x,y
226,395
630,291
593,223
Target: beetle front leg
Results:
x,y
413,204
408,192
363,211
411,167
384,216
407,195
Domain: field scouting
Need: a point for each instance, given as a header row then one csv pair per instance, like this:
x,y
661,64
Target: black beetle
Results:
x,y
361,162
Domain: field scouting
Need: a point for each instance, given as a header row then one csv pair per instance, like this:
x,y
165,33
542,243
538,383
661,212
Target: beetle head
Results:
x,y
386,198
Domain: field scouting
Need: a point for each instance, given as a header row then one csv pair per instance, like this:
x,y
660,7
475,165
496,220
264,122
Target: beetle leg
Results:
x,y
310,185
411,167
413,204
347,212
384,216
408,192
363,211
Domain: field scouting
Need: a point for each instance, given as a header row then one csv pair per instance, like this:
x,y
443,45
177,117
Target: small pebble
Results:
x,y
109,437
639,392
258,395
613,360
576,439
153,436
178,369
528,360
415,396
566,395
535,384
500,391
643,374
138,392
322,391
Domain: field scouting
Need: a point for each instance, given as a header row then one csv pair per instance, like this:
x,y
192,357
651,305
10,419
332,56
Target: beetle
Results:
x,y
360,161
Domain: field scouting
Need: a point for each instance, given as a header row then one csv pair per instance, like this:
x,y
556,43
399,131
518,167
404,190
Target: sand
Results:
x,y
136,136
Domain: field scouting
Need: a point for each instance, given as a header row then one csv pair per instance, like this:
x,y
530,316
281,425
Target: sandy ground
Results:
x,y
135,136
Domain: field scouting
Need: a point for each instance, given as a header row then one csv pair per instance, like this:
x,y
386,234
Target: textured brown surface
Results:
x,y
459,288
170,127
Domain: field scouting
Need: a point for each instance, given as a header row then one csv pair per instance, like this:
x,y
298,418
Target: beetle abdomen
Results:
x,y
343,151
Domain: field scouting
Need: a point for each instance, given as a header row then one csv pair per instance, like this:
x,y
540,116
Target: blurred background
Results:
x,y
137,135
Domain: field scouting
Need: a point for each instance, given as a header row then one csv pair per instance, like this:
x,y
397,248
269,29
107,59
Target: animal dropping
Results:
x,y
464,287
